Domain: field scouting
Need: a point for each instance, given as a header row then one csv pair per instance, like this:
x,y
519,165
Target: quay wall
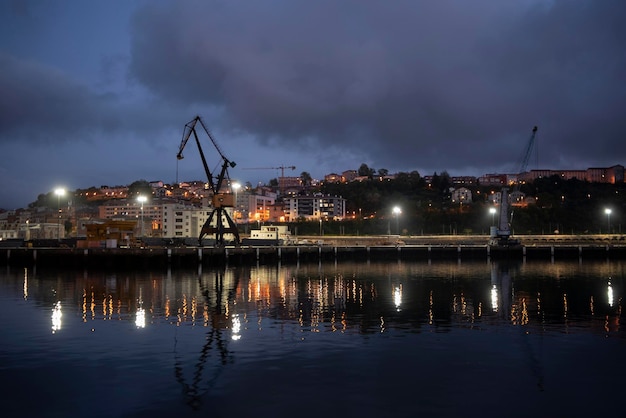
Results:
x,y
215,256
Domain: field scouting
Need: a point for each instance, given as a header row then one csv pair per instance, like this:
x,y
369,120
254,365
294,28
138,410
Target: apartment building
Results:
x,y
151,211
256,206
462,195
493,179
162,217
183,220
317,206
612,175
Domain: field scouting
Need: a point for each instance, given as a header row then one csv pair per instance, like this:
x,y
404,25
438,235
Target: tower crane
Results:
x,y
502,235
282,172
281,168
222,192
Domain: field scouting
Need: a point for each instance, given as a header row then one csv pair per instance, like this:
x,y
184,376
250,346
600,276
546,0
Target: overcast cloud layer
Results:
x,y
98,92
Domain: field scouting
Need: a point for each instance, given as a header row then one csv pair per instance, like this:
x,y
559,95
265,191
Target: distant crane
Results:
x,y
502,235
527,152
282,172
222,193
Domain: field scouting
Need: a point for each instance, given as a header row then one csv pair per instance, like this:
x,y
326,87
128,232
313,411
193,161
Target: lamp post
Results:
x,y
236,187
320,226
59,192
397,211
141,199
493,215
608,219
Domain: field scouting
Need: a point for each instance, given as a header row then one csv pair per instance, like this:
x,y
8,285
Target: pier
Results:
x,y
462,248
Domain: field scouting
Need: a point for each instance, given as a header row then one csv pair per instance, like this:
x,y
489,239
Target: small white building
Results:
x,y
280,233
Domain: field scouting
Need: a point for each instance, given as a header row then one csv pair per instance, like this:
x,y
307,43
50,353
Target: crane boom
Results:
x,y
529,148
190,128
281,168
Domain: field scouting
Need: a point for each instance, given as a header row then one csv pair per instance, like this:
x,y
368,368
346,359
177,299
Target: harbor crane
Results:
x,y
222,194
502,234
527,152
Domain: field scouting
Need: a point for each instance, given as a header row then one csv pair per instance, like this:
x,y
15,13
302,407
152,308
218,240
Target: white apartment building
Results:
x,y
315,207
185,221
164,218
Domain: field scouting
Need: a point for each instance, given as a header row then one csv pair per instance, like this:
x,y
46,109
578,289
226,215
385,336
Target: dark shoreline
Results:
x,y
249,255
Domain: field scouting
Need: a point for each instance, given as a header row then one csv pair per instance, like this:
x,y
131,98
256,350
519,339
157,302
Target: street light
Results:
x,y
608,218
493,216
236,187
59,192
141,199
397,211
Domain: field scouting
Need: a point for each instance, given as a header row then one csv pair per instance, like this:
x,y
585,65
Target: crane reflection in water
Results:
x,y
514,308
217,319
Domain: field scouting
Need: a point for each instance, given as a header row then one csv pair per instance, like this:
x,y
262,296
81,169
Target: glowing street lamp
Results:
x,y
608,218
141,199
493,216
59,192
236,187
397,211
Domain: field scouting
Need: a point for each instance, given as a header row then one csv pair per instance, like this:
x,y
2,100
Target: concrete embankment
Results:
x,y
396,249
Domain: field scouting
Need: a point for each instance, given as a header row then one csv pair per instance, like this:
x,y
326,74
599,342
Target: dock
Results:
x,y
331,249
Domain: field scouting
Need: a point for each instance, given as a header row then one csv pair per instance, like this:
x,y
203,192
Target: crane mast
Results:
x,y
222,197
502,234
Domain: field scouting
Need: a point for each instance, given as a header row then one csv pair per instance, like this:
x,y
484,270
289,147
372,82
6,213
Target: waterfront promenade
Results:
x,y
324,248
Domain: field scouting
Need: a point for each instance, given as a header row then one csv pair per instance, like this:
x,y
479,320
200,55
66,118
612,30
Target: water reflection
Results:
x,y
56,317
200,322
336,297
215,318
25,286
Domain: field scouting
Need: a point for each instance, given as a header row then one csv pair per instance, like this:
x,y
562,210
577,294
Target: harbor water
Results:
x,y
351,339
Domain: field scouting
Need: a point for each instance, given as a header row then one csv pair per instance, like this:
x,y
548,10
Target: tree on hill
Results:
x,y
306,178
42,201
139,187
364,170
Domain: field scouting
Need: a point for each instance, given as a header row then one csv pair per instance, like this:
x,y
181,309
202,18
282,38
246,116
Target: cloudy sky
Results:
x,y
98,92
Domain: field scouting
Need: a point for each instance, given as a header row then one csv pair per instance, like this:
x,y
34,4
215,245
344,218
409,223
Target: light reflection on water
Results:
x,y
235,341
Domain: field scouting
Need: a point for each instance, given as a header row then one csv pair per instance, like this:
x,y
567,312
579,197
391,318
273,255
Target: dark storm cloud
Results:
x,y
567,63
42,104
446,84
